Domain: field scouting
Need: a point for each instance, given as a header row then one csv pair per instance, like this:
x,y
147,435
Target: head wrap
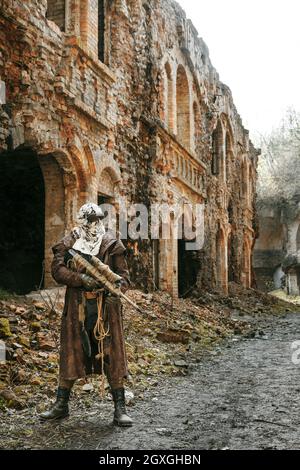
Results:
x,y
88,233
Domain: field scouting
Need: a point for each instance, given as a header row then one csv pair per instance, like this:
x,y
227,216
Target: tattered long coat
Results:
x,y
73,364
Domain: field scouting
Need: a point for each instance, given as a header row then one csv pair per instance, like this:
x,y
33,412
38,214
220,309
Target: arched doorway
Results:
x,y
188,267
187,260
22,216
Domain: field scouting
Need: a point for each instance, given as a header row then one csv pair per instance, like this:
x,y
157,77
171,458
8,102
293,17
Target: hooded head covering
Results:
x,y
89,233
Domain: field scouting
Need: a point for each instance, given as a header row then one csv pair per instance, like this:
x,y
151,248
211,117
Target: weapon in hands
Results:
x,y
102,273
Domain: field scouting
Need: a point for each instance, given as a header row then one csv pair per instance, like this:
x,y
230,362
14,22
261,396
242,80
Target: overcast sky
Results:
x,y
255,47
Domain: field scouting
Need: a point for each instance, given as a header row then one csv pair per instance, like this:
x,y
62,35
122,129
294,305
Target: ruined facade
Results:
x,y
109,98
277,250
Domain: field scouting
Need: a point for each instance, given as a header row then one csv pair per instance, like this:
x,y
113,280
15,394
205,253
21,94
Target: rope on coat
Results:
x,y
100,334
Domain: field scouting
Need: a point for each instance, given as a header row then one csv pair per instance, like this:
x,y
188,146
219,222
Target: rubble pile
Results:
x,y
29,331
166,339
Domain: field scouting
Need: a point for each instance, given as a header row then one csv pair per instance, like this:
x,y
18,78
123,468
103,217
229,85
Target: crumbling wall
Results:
x,y
269,249
122,116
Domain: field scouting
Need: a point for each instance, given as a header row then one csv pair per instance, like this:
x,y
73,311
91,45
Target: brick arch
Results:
x,y
183,107
80,165
62,200
75,180
89,157
108,169
109,164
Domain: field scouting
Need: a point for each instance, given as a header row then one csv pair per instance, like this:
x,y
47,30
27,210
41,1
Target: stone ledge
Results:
x,y
99,67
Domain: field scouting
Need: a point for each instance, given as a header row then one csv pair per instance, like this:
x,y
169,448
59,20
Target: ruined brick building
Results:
x,y
277,250
119,97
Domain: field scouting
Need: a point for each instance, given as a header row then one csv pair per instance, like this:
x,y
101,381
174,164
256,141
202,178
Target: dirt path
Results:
x,y
246,395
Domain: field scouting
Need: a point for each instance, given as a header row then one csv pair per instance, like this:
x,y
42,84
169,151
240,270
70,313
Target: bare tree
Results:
x,y
279,164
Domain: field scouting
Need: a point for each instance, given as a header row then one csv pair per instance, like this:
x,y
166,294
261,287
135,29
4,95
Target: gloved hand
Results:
x,y
89,283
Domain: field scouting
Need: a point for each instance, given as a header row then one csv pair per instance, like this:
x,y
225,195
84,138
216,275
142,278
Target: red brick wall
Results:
x,y
56,12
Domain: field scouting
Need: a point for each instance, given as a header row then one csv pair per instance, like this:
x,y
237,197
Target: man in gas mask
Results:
x,y
86,307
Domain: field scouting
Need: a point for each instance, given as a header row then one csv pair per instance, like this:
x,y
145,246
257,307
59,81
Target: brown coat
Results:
x,y
72,358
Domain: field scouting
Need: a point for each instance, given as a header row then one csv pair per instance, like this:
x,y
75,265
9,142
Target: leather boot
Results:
x,y
59,409
120,416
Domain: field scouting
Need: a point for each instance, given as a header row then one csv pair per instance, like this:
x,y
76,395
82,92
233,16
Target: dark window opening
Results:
x,y
56,13
101,30
188,267
217,141
22,214
104,199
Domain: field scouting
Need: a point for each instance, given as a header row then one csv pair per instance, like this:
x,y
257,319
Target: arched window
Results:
x,y
183,107
197,129
93,27
217,152
56,13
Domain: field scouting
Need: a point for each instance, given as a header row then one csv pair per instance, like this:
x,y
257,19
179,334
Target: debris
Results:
x,y
24,341
177,333
4,328
173,336
43,354
39,305
44,342
181,363
129,397
36,380
35,326
11,399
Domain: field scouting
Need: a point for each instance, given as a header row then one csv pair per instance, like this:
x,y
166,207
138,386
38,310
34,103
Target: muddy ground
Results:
x,y
245,394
